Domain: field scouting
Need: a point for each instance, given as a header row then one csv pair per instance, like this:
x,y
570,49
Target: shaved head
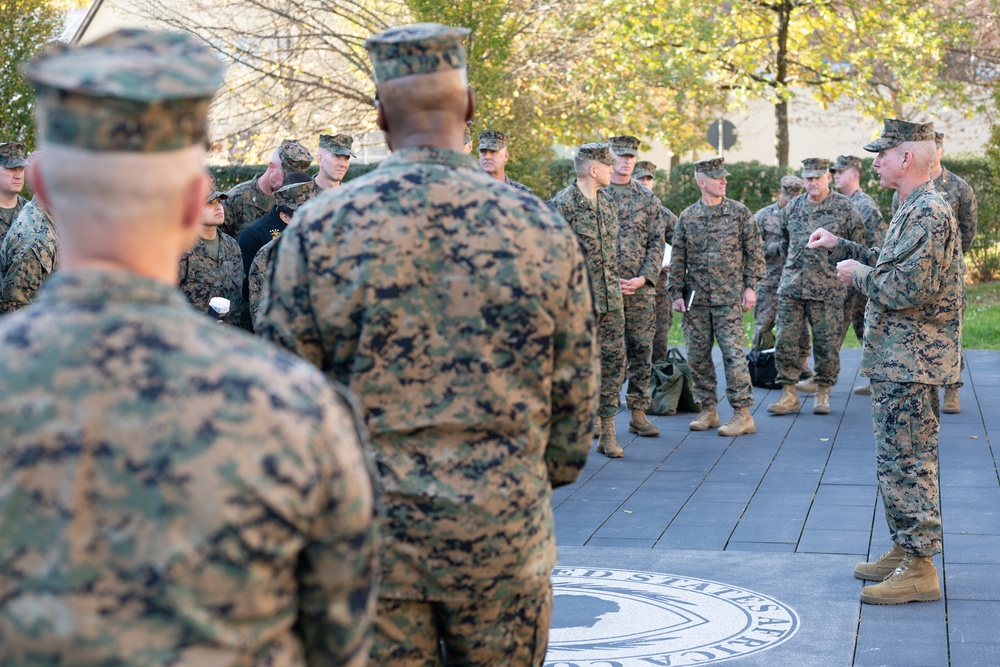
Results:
x,y
425,105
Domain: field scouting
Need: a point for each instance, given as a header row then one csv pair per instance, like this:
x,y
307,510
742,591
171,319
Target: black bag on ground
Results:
x,y
671,386
763,371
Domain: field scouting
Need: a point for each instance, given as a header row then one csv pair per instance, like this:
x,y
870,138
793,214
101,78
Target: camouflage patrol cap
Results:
x,y
12,155
421,48
814,167
132,90
293,156
939,139
712,168
294,195
792,185
644,168
624,145
845,161
895,132
492,140
338,144
215,194
597,151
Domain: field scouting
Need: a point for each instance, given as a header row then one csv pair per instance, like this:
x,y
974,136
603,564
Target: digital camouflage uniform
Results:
x,y
596,227
170,493
514,184
765,311
495,140
641,229
11,157
963,202
202,277
717,253
913,320
258,277
457,310
8,215
809,291
28,254
664,309
875,227
247,202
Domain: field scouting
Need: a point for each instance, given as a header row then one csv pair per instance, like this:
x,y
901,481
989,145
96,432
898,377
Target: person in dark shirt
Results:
x,y
268,226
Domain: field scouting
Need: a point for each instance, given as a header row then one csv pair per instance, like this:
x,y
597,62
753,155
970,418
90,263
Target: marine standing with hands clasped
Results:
x,y
172,492
912,344
457,310
716,262
641,224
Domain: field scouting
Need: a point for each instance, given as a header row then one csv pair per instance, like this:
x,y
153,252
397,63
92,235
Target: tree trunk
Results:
x,y
781,138
784,11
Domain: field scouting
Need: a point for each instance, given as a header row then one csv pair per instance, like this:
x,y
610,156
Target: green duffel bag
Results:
x,y
671,386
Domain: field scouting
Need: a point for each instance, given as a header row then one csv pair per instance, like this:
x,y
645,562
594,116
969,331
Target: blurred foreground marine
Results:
x,y
457,310
172,492
913,330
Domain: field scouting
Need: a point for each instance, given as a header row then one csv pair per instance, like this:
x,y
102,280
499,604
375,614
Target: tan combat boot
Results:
x,y
952,405
707,418
638,423
787,402
740,424
609,443
597,428
821,401
807,386
915,580
806,372
879,569
863,389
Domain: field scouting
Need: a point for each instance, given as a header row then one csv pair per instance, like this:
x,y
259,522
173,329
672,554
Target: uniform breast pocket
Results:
x,y
588,238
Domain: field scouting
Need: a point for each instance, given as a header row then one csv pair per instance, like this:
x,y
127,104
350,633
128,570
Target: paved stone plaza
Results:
x,y
698,549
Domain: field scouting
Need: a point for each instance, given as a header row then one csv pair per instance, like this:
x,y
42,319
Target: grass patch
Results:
x,y
981,330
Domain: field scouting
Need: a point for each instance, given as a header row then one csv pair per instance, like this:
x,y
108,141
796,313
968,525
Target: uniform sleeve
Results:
x,y
753,251
575,376
850,250
338,569
29,267
784,238
908,273
669,224
287,318
678,261
968,218
653,261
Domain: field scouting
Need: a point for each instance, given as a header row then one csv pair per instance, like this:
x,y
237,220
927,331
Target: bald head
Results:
x,y
426,109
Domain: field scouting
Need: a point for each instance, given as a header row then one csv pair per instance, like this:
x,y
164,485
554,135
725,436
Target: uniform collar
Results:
x,y
100,286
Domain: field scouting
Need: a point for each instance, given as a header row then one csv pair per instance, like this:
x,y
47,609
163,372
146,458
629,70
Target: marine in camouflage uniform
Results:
x,y
963,202
334,159
493,156
768,221
847,173
289,199
809,292
214,267
912,345
12,162
595,223
28,254
645,174
715,263
641,229
457,309
257,279
248,201
171,493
